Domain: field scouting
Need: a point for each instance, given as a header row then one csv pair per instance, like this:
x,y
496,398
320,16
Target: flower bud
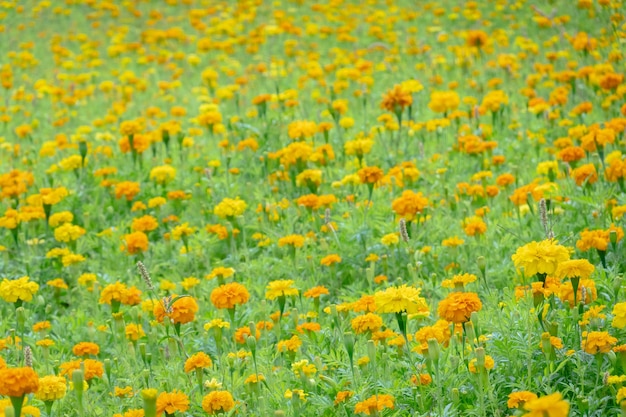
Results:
x,y
433,350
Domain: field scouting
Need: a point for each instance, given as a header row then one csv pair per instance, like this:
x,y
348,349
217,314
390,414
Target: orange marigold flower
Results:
x,y
458,306
370,175
93,368
17,382
229,295
218,401
171,402
182,310
198,361
86,348
374,403
597,342
519,398
409,204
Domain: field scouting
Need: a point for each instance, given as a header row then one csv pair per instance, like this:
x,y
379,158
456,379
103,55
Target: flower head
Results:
x,y
540,257
401,299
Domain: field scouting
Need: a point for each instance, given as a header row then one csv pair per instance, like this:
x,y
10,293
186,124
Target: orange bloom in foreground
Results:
x,y
229,295
86,348
16,382
171,402
198,361
218,401
458,306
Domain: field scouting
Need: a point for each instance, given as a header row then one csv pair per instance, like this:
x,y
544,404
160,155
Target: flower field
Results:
x,y
290,208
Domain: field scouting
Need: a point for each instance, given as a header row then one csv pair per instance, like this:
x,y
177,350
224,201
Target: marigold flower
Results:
x,y
540,257
370,175
580,268
374,403
368,322
171,402
93,368
316,292
229,295
280,288
198,361
297,241
401,299
489,364
619,316
229,208
86,348
457,307
218,401
136,242
597,342
330,260
409,204
183,310
550,405
291,345
519,398
21,289
396,99
134,332
51,388
17,382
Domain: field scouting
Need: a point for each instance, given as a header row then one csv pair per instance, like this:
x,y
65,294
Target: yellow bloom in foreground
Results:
x,y
621,395
18,289
51,388
580,268
229,208
540,257
401,299
548,406
619,316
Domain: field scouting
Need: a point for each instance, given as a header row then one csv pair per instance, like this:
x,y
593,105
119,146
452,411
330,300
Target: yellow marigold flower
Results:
x,y
519,398
452,242
125,392
156,202
17,382
390,239
621,395
375,402
171,402
457,307
280,288
198,361
18,290
229,208
68,232
303,366
540,257
330,260
401,299
222,272
619,316
473,364
580,268
51,388
134,332
229,295
254,379
297,241
63,217
218,401
219,323
597,342
163,174
550,405
57,283
458,281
